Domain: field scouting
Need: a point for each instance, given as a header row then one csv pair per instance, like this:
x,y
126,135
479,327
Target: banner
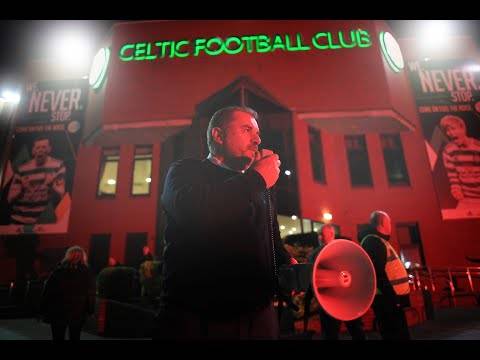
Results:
x,y
448,103
38,178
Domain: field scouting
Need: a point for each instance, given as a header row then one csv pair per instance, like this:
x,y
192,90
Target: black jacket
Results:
x,y
218,257
377,251
68,294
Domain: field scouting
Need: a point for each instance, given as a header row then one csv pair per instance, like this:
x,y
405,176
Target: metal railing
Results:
x,y
447,283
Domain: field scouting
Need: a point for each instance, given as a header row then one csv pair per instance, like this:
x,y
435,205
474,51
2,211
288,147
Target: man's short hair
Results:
x,y
376,217
451,119
220,119
40,138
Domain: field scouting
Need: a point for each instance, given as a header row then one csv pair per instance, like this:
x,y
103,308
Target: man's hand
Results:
x,y
293,261
16,189
267,164
456,191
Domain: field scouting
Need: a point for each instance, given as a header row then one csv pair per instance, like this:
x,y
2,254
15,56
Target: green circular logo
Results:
x,y
391,51
99,68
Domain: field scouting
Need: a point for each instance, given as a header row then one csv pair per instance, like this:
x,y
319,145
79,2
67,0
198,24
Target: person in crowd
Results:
x,y
393,288
68,297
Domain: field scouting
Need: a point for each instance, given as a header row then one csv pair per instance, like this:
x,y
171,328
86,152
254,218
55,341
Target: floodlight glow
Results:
x,y
473,68
294,217
435,34
10,96
148,180
111,182
288,172
436,28
73,50
327,216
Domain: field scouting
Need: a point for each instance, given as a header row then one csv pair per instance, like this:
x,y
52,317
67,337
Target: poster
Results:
x,y
447,96
38,179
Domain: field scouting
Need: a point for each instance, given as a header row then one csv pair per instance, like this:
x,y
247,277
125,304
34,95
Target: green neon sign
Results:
x,y
234,45
391,51
99,68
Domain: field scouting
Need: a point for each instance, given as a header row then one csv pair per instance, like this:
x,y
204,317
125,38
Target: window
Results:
x,y
99,250
306,225
107,185
358,162
292,225
410,243
300,235
142,170
317,226
316,155
289,225
394,159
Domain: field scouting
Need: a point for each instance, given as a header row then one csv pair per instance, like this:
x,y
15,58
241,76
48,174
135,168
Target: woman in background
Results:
x,y
69,295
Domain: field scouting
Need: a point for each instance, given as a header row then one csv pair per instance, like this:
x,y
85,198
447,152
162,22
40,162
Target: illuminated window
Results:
x,y
394,159
410,243
358,162
107,185
306,225
316,155
142,170
289,226
317,226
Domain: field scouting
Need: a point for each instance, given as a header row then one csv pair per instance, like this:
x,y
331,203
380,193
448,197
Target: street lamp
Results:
x,y
8,108
435,33
9,96
327,216
73,49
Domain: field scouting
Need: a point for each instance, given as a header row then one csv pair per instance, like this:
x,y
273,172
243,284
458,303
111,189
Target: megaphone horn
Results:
x,y
343,280
332,278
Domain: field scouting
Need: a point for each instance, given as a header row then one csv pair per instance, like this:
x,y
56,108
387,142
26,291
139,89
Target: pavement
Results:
x,y
449,324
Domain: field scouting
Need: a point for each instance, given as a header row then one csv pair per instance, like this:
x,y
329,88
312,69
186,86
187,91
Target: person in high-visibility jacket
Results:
x,y
392,279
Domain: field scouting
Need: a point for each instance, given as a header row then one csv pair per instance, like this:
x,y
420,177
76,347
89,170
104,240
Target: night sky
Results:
x,y
21,40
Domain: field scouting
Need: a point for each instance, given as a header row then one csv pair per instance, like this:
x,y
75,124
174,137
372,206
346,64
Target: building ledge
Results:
x,y
364,121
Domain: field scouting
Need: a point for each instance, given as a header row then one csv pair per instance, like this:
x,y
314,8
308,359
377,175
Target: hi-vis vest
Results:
x,y
396,273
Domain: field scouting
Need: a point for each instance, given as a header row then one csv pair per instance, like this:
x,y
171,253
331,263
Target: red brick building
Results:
x,y
344,122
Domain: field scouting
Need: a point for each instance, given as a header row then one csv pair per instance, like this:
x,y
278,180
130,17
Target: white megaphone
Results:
x,y
343,280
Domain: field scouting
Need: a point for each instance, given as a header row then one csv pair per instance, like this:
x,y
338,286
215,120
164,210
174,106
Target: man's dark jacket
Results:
x,y
377,251
218,257
69,294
